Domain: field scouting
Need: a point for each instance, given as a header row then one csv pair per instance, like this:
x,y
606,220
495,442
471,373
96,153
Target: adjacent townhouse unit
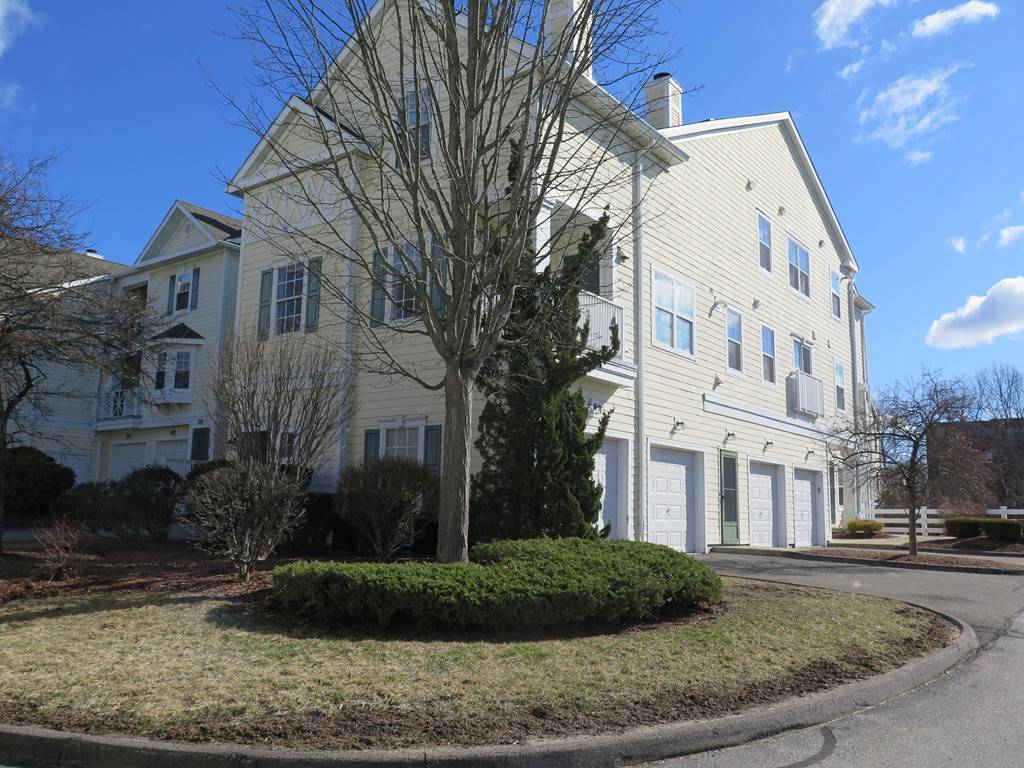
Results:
x,y
733,288
157,411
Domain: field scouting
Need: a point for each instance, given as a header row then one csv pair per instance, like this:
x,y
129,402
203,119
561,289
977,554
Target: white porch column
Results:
x,y
542,236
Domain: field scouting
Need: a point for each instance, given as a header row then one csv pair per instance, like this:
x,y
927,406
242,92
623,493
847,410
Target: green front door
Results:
x,y
729,498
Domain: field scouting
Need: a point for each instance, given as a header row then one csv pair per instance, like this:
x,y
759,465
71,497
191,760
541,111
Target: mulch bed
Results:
x,y
979,543
844,534
902,557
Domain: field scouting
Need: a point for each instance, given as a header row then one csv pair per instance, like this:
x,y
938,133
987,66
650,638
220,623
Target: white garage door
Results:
x,y
805,506
124,457
606,472
766,525
173,454
671,498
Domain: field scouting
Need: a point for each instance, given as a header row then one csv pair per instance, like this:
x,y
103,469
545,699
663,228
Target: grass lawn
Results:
x,y
198,666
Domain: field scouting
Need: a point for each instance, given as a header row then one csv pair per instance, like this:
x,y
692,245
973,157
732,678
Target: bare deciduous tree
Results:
x,y
438,146
961,479
999,392
56,313
279,403
890,448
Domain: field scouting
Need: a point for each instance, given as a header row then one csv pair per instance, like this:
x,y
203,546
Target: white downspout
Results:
x,y
639,459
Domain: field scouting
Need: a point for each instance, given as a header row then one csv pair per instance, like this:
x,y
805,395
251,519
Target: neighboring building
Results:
x,y
1001,441
742,332
156,412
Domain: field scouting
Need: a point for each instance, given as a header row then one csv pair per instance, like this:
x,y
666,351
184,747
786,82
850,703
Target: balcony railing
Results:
x,y
600,312
119,404
807,394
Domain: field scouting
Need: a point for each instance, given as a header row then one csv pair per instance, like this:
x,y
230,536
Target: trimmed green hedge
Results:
x,y
520,585
962,527
1001,530
865,528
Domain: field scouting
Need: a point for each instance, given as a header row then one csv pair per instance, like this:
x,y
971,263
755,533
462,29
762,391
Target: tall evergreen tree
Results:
x,y
538,460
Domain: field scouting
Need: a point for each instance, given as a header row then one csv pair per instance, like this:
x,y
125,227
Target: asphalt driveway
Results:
x,y
969,717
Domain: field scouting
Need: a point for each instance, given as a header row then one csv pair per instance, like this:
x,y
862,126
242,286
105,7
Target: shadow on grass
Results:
x,y
24,612
257,613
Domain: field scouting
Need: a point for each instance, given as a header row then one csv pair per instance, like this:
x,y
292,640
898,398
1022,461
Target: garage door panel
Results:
x,y
803,507
764,520
671,502
606,473
126,457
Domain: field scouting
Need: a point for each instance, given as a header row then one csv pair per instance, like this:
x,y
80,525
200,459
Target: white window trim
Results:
x,y
654,337
810,346
774,355
424,92
758,215
418,423
301,331
836,368
187,274
806,296
729,369
390,304
171,367
833,294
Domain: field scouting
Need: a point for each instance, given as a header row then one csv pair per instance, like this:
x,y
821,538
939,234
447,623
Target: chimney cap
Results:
x,y
659,75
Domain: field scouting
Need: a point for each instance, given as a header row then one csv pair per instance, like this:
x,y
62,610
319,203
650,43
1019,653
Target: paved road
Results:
x,y
970,717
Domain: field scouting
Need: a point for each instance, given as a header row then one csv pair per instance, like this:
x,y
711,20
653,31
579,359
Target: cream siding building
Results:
x,y
732,284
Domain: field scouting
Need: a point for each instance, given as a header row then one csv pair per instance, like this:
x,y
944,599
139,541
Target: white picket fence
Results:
x,y
929,523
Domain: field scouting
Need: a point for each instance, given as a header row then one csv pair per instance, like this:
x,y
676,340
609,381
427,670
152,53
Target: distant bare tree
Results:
x,y
999,392
54,313
890,449
454,139
961,479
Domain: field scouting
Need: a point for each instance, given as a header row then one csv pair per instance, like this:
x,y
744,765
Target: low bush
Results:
x,y
510,585
34,481
864,528
61,549
311,535
387,501
201,468
962,527
83,503
147,500
1001,530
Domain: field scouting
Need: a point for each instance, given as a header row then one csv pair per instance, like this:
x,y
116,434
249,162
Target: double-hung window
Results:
x,y
802,356
182,369
673,313
417,123
183,292
173,368
799,268
402,442
767,354
734,340
288,298
764,242
840,386
837,301
403,295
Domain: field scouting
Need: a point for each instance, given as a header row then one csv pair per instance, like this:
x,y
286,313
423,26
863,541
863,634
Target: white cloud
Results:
x,y
943,21
958,244
15,18
1010,235
835,20
919,156
9,95
850,70
1000,312
911,107
1022,196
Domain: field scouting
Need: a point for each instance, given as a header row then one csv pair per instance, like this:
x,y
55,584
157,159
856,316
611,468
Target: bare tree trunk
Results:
x,y
453,520
3,484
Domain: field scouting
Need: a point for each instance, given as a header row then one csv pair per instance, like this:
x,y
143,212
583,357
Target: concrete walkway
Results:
x,y
968,718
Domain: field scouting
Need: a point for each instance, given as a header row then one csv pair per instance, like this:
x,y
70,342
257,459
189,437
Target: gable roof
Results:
x,y
212,227
179,331
708,128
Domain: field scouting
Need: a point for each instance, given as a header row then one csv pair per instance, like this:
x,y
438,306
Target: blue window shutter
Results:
x,y
371,445
432,448
171,285
313,294
263,322
377,291
440,264
195,289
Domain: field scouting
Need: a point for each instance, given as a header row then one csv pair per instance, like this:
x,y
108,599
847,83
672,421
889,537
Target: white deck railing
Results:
x,y
600,312
119,404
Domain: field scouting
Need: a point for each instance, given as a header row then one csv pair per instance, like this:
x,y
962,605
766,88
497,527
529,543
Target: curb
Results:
x,y
932,550
866,561
43,748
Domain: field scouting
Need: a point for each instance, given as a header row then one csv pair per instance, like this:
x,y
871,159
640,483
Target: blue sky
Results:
x,y
913,111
